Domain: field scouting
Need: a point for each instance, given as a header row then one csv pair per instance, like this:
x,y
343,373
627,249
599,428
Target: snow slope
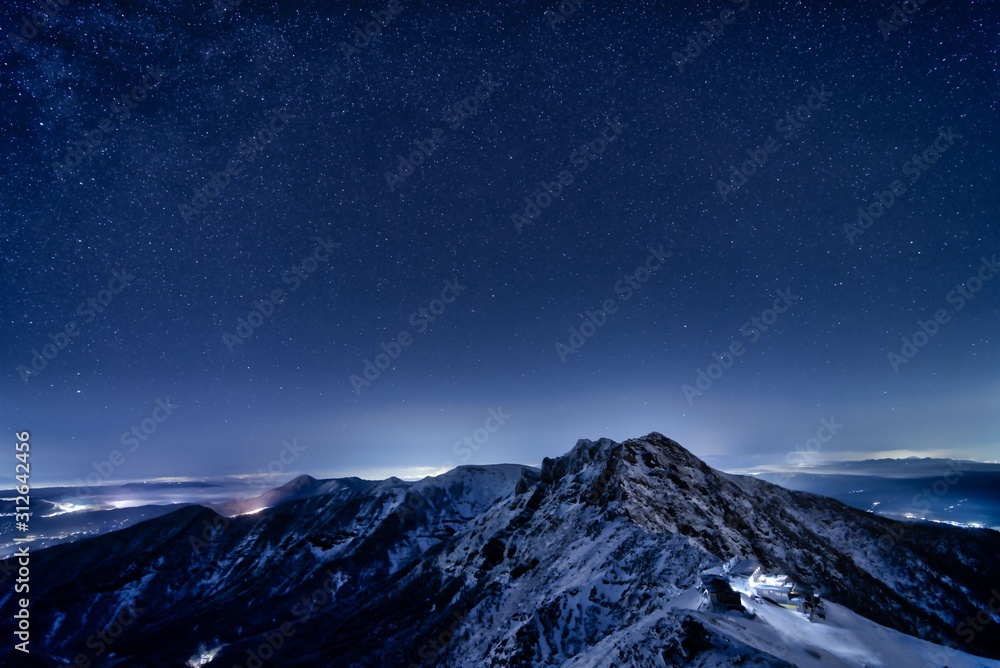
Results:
x,y
844,638
589,561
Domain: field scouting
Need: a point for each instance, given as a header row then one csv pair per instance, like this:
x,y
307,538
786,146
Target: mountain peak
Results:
x,y
299,482
585,454
665,450
653,451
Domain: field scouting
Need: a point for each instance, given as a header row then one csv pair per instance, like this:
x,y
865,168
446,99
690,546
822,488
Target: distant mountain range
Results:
x,y
960,492
592,560
66,513
909,467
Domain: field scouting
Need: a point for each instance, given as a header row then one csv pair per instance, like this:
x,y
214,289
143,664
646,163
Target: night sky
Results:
x,y
212,217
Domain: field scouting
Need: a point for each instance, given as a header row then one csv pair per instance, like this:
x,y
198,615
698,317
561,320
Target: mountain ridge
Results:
x,y
541,566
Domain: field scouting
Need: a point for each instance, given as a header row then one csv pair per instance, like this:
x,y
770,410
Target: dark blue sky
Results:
x,y
273,160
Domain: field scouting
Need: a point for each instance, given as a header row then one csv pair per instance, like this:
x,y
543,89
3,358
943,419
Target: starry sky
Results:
x,y
376,238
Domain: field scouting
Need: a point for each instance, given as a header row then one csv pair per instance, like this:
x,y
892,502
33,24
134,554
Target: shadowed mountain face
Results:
x,y
573,564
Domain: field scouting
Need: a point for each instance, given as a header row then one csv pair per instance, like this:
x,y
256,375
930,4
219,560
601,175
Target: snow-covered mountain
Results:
x,y
593,560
